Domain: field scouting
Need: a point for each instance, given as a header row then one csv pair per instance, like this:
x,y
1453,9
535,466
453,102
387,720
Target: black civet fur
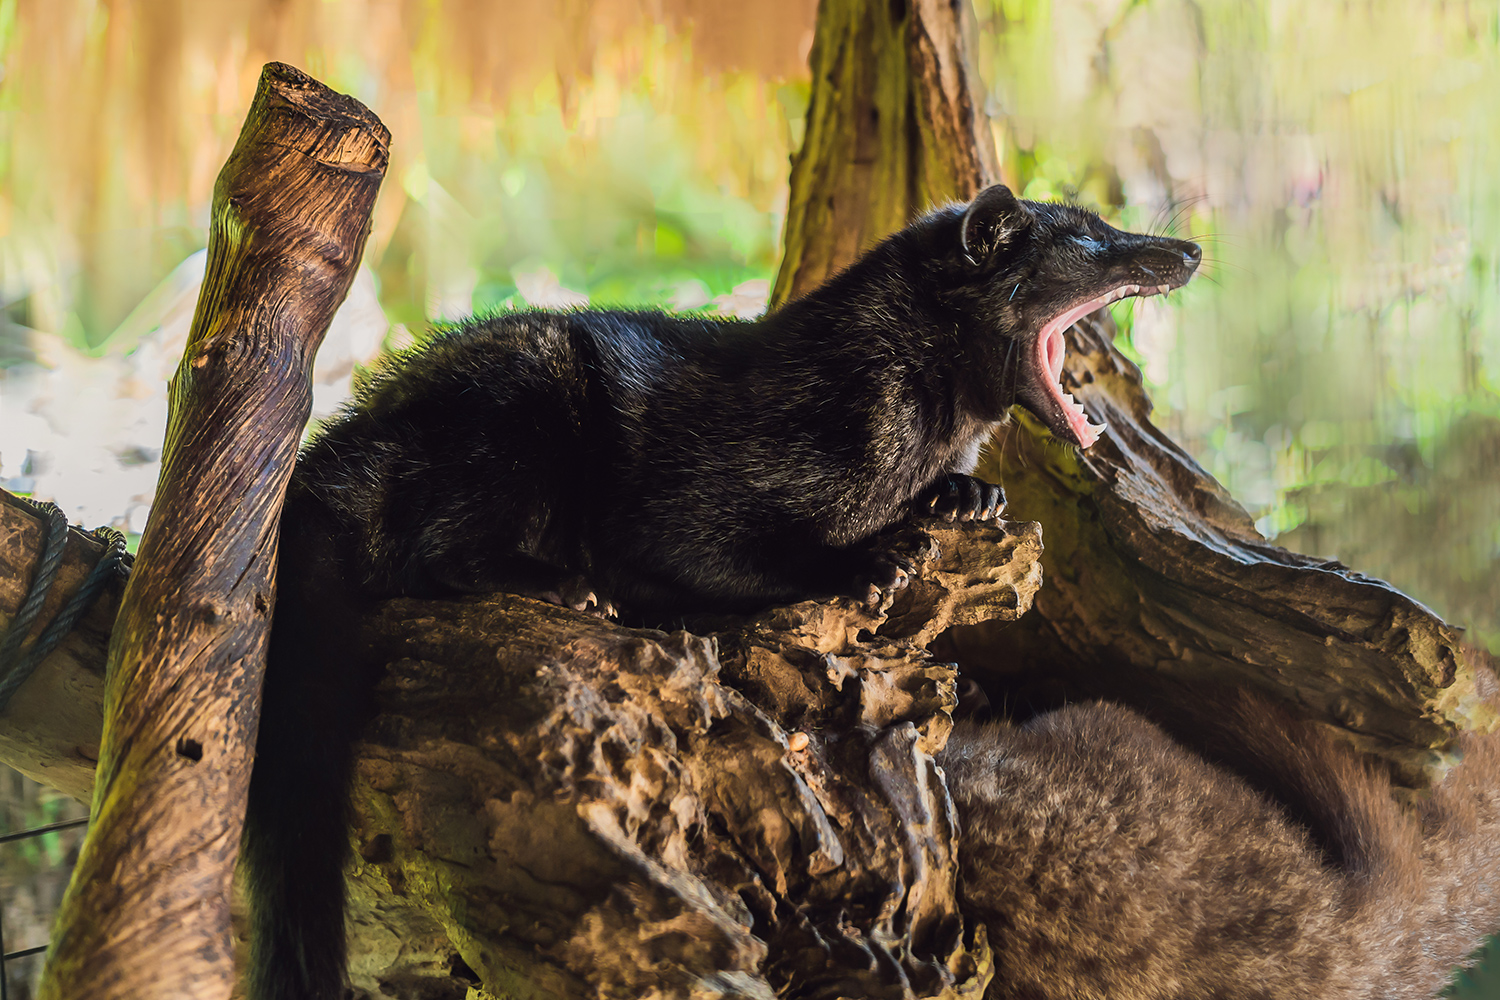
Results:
x,y
662,464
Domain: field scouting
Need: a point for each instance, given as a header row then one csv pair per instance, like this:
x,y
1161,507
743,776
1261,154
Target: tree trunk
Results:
x,y
895,126
147,911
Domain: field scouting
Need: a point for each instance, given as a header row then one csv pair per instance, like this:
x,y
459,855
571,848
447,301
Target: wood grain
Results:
x,y
147,911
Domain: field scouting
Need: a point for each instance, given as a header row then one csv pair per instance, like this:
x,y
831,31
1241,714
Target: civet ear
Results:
x,y
993,218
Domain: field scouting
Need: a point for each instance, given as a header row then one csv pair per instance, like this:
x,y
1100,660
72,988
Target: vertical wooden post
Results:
x,y
147,912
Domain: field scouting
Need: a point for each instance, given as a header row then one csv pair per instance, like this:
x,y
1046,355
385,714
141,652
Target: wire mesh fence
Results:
x,y
40,833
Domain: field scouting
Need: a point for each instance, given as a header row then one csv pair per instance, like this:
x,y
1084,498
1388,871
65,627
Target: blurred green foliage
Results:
x,y
33,870
636,154
626,217
1337,362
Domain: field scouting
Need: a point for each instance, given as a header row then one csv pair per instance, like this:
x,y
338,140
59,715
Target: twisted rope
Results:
x,y
17,665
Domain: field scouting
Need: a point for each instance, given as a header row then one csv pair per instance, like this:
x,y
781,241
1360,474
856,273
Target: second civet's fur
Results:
x,y
1106,860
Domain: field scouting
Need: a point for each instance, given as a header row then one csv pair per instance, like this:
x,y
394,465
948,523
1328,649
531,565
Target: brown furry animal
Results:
x,y
1107,860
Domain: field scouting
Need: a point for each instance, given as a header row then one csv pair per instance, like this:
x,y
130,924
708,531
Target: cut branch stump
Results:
x,y
147,912
50,729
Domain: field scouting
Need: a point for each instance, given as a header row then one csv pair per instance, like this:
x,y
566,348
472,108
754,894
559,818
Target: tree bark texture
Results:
x,y
147,911
550,804
591,810
895,126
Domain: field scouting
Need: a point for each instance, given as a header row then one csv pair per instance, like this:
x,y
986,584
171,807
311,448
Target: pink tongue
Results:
x,y
1055,348
1052,346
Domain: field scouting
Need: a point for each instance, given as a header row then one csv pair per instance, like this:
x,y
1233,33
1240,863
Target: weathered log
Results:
x,y
147,915
1158,583
591,810
548,798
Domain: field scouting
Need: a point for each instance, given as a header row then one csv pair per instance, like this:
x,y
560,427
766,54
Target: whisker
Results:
x,y
1161,210
1223,265
1010,443
1182,207
1177,217
1214,238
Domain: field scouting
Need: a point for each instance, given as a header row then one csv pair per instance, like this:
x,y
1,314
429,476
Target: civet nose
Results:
x,y
1191,255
